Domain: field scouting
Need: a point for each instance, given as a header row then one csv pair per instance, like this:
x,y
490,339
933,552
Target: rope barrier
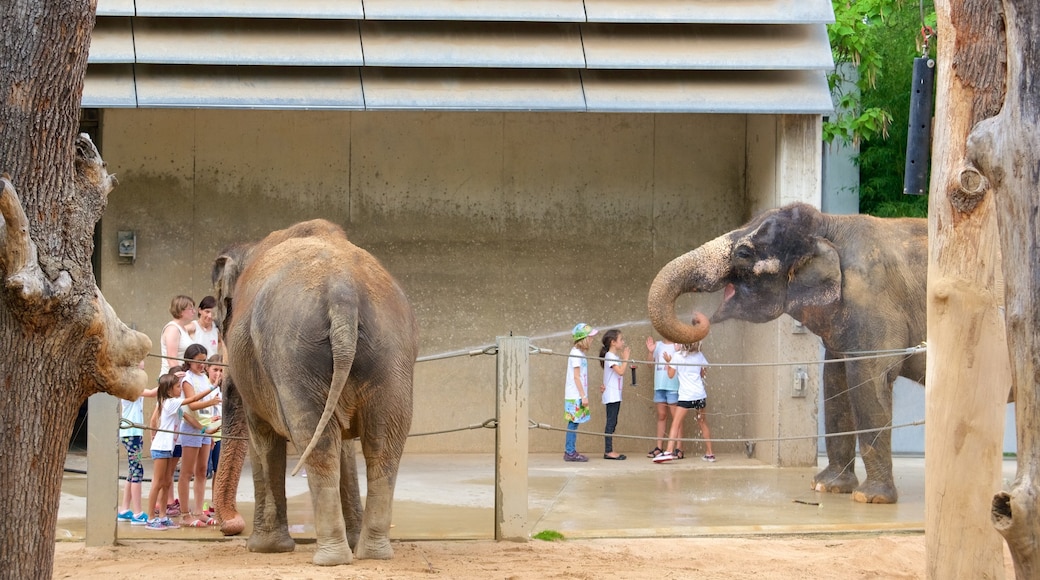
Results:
x,y
547,427
870,355
125,423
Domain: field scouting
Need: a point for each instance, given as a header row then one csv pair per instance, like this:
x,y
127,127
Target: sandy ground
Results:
x,y
821,558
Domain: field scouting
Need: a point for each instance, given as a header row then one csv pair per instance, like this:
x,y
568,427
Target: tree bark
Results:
x,y
62,341
968,371
1005,149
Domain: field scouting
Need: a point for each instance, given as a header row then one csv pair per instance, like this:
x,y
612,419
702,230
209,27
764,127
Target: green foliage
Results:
x,y
549,536
882,37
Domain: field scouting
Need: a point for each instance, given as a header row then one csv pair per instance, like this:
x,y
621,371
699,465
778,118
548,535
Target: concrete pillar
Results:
x,y
511,439
102,469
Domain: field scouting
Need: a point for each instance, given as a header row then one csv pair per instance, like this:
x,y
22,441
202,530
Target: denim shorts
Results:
x,y
191,440
666,396
161,454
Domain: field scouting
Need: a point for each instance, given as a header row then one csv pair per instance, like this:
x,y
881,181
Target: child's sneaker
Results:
x,y
170,524
709,458
174,509
124,516
140,519
664,457
577,457
156,525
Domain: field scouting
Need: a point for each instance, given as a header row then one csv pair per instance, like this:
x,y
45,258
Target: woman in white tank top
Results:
x,y
176,334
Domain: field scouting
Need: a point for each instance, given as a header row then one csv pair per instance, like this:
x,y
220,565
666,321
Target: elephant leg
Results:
x,y
324,478
235,447
873,407
839,476
270,524
382,443
350,492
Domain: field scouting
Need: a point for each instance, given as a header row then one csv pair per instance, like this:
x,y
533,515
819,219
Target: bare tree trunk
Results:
x,y
968,372
1006,151
62,342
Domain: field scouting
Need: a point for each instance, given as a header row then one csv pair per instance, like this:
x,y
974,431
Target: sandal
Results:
x,y
197,524
679,454
655,452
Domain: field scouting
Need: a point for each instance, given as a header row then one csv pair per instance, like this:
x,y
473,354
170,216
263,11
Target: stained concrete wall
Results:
x,y
493,223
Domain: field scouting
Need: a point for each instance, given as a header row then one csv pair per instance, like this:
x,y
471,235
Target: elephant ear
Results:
x,y
225,272
816,279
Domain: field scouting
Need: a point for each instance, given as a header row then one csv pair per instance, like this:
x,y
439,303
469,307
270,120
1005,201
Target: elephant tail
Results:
x,y
343,333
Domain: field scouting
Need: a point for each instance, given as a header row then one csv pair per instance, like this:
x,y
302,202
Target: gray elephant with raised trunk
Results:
x,y
858,282
321,346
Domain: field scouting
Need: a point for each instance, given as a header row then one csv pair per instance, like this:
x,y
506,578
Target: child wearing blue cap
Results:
x,y
576,392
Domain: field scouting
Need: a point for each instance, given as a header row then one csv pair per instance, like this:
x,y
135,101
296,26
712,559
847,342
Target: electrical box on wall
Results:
x,y
127,246
801,382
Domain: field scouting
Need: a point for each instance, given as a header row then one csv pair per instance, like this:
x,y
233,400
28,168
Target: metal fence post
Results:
x,y
511,438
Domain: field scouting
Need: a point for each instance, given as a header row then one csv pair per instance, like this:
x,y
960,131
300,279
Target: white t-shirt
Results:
x,y
576,360
198,383
132,411
691,386
207,338
611,380
203,383
169,420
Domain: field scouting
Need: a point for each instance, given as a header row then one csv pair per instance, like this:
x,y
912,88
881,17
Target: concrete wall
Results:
x,y
493,223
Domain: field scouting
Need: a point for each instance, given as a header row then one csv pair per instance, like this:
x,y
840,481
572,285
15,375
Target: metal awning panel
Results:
x,y
115,8
472,89
706,46
247,42
249,87
482,10
112,41
109,86
330,9
749,92
711,11
472,44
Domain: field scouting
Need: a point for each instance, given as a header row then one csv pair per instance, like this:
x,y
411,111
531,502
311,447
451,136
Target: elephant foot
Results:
x,y
333,554
873,491
374,549
835,480
271,542
233,526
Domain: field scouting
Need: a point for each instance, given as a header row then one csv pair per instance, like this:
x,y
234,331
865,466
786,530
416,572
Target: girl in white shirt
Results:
x,y
689,363
168,406
613,383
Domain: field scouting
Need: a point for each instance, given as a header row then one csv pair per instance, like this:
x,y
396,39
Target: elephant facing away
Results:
x,y
321,346
858,282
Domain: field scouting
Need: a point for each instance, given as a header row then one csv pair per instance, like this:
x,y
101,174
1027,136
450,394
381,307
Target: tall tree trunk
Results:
x,y
1006,151
62,342
968,375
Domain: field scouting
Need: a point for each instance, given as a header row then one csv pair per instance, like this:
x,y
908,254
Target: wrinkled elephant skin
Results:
x,y
321,346
858,282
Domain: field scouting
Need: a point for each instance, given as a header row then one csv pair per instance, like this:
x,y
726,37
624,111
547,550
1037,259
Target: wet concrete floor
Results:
x,y
443,496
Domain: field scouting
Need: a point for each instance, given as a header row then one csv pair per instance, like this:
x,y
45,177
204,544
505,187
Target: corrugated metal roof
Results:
x,y
330,9
596,55
711,11
780,92
473,89
249,87
239,41
483,10
472,44
706,47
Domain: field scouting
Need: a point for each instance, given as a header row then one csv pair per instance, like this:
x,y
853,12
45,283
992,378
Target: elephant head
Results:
x,y
226,269
777,263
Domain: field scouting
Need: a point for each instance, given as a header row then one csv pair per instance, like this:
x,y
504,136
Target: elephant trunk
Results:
x,y
699,270
233,449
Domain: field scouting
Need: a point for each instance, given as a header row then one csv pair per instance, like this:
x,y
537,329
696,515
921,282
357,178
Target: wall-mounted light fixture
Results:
x,y
127,246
